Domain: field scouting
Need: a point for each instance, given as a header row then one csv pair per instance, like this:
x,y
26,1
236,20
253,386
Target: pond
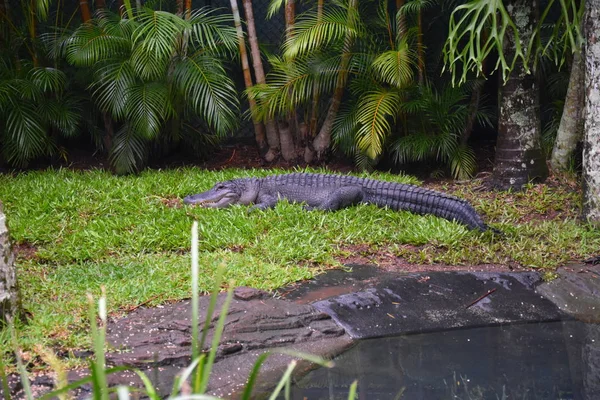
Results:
x,y
551,360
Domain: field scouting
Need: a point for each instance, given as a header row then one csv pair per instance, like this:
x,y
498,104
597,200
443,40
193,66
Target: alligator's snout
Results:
x,y
212,198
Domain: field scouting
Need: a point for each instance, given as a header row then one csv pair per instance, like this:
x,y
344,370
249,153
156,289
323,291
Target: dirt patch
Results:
x,y
387,260
25,251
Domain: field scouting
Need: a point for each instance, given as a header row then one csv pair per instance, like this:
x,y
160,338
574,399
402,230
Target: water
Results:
x,y
558,360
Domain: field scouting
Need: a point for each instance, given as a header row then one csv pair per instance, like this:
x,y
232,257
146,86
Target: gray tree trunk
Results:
x,y
591,140
322,141
259,73
570,130
519,157
8,278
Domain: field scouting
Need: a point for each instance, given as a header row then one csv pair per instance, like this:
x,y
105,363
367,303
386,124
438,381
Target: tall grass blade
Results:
x,y
3,379
123,393
253,375
150,390
212,304
195,294
217,334
20,366
352,392
60,371
286,376
180,380
81,382
98,339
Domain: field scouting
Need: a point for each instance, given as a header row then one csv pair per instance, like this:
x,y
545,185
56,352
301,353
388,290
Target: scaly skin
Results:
x,y
332,192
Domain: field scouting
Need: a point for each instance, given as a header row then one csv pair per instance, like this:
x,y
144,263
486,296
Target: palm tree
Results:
x,y
36,107
160,76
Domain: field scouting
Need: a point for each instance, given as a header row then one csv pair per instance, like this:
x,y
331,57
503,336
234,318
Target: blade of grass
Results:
x,y
247,395
5,388
216,335
123,392
150,390
212,304
286,376
195,294
20,366
60,379
180,380
81,382
352,392
98,339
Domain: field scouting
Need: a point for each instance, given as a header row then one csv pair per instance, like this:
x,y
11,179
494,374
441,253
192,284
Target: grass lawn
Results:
x,y
78,230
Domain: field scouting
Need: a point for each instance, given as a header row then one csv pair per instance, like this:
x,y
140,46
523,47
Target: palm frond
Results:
x,y
375,110
129,151
111,87
24,134
91,44
395,67
62,113
312,33
412,147
414,6
48,79
344,128
157,34
213,31
290,85
41,8
203,82
148,107
463,162
274,7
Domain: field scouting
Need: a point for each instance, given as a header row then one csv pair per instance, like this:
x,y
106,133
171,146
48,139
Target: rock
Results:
x,y
576,291
157,340
434,301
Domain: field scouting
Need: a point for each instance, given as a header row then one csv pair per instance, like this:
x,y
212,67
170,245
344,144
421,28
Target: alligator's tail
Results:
x,y
425,201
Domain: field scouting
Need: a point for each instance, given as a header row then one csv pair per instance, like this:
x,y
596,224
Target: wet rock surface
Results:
x,y
576,291
158,340
326,315
440,300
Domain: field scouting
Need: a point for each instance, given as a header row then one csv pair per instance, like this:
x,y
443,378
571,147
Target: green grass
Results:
x,y
91,228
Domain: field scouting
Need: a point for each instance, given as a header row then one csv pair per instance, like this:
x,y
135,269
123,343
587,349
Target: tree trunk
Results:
x,y
400,20
591,141
289,135
259,129
84,7
9,299
323,140
519,157
259,73
420,48
311,131
570,129
100,4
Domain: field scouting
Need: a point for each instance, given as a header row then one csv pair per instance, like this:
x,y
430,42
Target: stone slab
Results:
x,y
437,301
576,291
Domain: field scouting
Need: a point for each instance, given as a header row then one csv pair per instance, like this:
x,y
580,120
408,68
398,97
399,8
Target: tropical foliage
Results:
x,y
159,76
36,106
386,109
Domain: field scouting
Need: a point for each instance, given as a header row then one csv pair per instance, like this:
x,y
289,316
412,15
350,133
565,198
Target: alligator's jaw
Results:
x,y
208,199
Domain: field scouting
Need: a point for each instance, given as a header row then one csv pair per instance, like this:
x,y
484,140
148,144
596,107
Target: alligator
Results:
x,y
330,192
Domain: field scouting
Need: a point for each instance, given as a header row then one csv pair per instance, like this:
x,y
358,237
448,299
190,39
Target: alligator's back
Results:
x,y
396,196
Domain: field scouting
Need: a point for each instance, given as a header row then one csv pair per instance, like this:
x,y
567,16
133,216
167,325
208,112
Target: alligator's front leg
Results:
x,y
264,201
343,197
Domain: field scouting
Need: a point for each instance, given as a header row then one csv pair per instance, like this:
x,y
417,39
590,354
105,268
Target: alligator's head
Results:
x,y
223,194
